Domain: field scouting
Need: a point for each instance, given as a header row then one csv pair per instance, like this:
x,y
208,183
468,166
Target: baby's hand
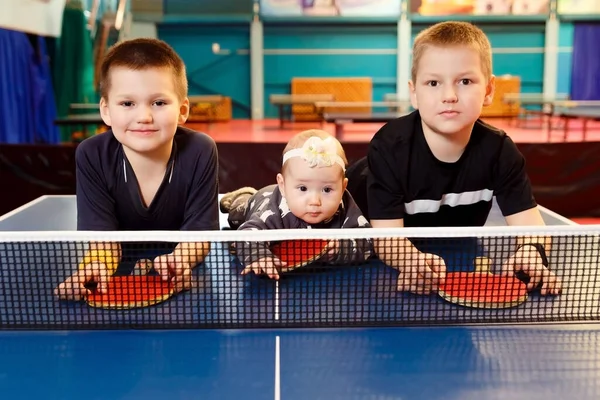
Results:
x,y
74,287
267,265
333,250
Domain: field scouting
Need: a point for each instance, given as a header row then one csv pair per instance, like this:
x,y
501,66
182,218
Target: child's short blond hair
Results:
x,y
453,33
298,140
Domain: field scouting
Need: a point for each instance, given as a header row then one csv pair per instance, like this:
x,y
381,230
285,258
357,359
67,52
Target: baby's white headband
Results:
x,y
317,153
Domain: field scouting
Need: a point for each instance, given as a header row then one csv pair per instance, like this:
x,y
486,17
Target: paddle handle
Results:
x,y
482,264
143,267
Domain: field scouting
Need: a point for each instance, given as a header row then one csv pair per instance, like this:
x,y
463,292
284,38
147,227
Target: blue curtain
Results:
x,y
28,106
585,77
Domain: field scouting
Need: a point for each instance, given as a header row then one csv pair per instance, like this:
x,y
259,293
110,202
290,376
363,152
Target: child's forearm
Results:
x,y
395,252
192,252
249,252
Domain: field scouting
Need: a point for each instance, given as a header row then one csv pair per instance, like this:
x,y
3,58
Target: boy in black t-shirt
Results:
x,y
146,172
442,166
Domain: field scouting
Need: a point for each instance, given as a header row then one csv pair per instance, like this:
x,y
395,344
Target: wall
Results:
x,y
350,48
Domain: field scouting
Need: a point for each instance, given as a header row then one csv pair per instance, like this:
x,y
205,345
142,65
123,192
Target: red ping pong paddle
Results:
x,y
298,253
482,289
132,291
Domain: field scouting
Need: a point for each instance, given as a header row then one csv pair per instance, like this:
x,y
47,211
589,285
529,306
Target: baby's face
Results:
x,y
312,194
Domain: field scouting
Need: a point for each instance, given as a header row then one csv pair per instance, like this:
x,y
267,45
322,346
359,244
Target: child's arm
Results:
x,y
201,214
349,251
420,273
515,198
97,265
202,203
95,212
201,209
257,256
531,254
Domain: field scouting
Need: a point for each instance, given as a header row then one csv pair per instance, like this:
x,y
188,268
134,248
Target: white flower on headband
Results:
x,y
317,153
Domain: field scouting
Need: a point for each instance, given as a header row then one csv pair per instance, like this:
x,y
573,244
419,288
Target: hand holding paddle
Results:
x,y
289,255
422,274
76,288
333,251
268,266
175,269
532,265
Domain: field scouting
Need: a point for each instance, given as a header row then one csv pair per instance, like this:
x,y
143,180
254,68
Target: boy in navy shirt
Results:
x,y
146,172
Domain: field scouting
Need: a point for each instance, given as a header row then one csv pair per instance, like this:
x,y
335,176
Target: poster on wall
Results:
x,y
578,7
480,7
40,17
331,8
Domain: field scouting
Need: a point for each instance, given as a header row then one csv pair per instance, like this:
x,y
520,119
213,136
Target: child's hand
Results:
x,y
528,260
422,274
267,265
170,266
73,288
333,250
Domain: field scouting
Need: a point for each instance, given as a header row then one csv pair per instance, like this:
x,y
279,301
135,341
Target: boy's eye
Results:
x,y
127,103
465,81
160,103
432,83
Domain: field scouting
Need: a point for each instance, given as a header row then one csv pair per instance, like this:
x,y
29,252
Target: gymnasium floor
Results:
x,y
241,130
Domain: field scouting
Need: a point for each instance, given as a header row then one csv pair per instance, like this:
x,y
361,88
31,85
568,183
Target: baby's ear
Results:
x,y
281,183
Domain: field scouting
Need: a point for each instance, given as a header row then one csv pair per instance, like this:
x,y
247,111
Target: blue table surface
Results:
x,y
451,362
508,362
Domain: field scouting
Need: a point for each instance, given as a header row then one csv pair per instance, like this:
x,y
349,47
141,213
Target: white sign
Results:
x,y
40,17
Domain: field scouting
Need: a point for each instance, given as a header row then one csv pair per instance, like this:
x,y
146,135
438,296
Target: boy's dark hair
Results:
x,y
140,54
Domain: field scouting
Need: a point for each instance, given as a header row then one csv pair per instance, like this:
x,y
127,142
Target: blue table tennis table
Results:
x,y
463,361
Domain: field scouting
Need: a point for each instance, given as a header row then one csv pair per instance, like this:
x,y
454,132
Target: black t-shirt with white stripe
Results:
x,y
405,179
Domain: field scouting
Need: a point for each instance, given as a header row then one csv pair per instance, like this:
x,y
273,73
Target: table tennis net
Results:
x,y
333,278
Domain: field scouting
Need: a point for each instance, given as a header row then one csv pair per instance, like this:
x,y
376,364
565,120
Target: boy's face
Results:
x,y
143,108
450,89
312,194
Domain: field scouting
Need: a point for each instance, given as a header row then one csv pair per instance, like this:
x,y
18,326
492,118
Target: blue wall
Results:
x,y
210,73
518,49
321,43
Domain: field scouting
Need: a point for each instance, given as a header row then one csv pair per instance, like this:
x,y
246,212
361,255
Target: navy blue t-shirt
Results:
x,y
108,195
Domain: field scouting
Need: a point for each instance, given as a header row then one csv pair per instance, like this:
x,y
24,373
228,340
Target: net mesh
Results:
x,y
94,280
